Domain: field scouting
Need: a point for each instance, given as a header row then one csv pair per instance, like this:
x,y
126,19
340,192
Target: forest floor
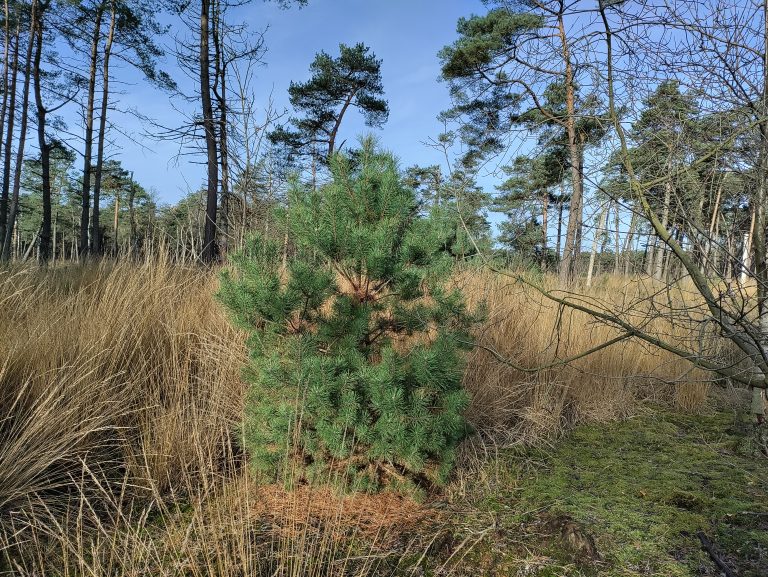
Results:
x,y
620,499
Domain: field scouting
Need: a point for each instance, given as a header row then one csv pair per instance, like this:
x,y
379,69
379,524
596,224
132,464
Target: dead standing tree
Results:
x,y
207,55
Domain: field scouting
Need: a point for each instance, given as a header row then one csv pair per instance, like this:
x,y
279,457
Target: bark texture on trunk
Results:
x,y
659,266
85,214
209,126
96,241
14,200
4,197
4,112
575,151
600,227
544,226
220,91
45,150
759,263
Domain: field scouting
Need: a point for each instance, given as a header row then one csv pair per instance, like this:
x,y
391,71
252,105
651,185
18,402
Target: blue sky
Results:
x,y
405,34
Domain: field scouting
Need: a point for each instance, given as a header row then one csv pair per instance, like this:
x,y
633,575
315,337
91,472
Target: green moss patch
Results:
x,y
639,490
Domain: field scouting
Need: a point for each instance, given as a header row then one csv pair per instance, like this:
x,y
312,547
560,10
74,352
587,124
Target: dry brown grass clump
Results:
x,y
235,529
128,372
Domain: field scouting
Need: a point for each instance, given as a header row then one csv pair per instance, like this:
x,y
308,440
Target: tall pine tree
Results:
x,y
352,80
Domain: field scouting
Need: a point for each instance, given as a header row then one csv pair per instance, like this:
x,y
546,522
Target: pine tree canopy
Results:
x,y
356,365
353,79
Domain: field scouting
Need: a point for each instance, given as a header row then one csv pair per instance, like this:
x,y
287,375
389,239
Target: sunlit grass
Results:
x,y
120,406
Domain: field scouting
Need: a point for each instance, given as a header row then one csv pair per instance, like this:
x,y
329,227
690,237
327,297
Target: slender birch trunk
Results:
x,y
595,241
659,268
628,244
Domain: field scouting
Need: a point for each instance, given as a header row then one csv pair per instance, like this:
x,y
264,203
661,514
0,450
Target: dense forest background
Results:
x,y
686,85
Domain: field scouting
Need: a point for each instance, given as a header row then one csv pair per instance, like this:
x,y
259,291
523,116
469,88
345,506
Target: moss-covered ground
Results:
x,y
620,499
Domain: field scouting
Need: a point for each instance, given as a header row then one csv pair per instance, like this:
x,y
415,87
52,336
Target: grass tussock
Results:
x,y
223,532
116,372
121,398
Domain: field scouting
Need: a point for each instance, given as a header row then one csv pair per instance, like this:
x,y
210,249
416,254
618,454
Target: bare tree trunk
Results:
x,y
220,90
45,150
667,273
4,222
96,234
746,255
658,270
544,227
712,226
73,251
573,233
4,111
337,125
628,244
758,243
598,231
31,246
716,250
212,161
89,110
14,226
22,134
132,241
649,253
116,223
53,237
560,207
729,259
616,237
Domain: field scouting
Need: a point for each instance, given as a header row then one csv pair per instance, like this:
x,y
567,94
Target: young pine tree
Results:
x,y
355,372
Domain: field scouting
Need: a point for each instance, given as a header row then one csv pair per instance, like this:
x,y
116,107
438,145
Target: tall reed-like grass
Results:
x,y
121,397
531,331
130,372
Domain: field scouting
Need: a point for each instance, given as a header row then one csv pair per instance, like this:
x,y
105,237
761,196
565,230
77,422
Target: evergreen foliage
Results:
x,y
355,369
353,79
458,202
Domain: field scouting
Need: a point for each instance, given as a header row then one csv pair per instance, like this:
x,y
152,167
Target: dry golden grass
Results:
x,y
120,399
130,371
226,531
531,331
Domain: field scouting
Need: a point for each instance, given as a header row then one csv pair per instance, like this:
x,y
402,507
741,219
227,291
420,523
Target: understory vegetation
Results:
x,y
355,344
120,452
